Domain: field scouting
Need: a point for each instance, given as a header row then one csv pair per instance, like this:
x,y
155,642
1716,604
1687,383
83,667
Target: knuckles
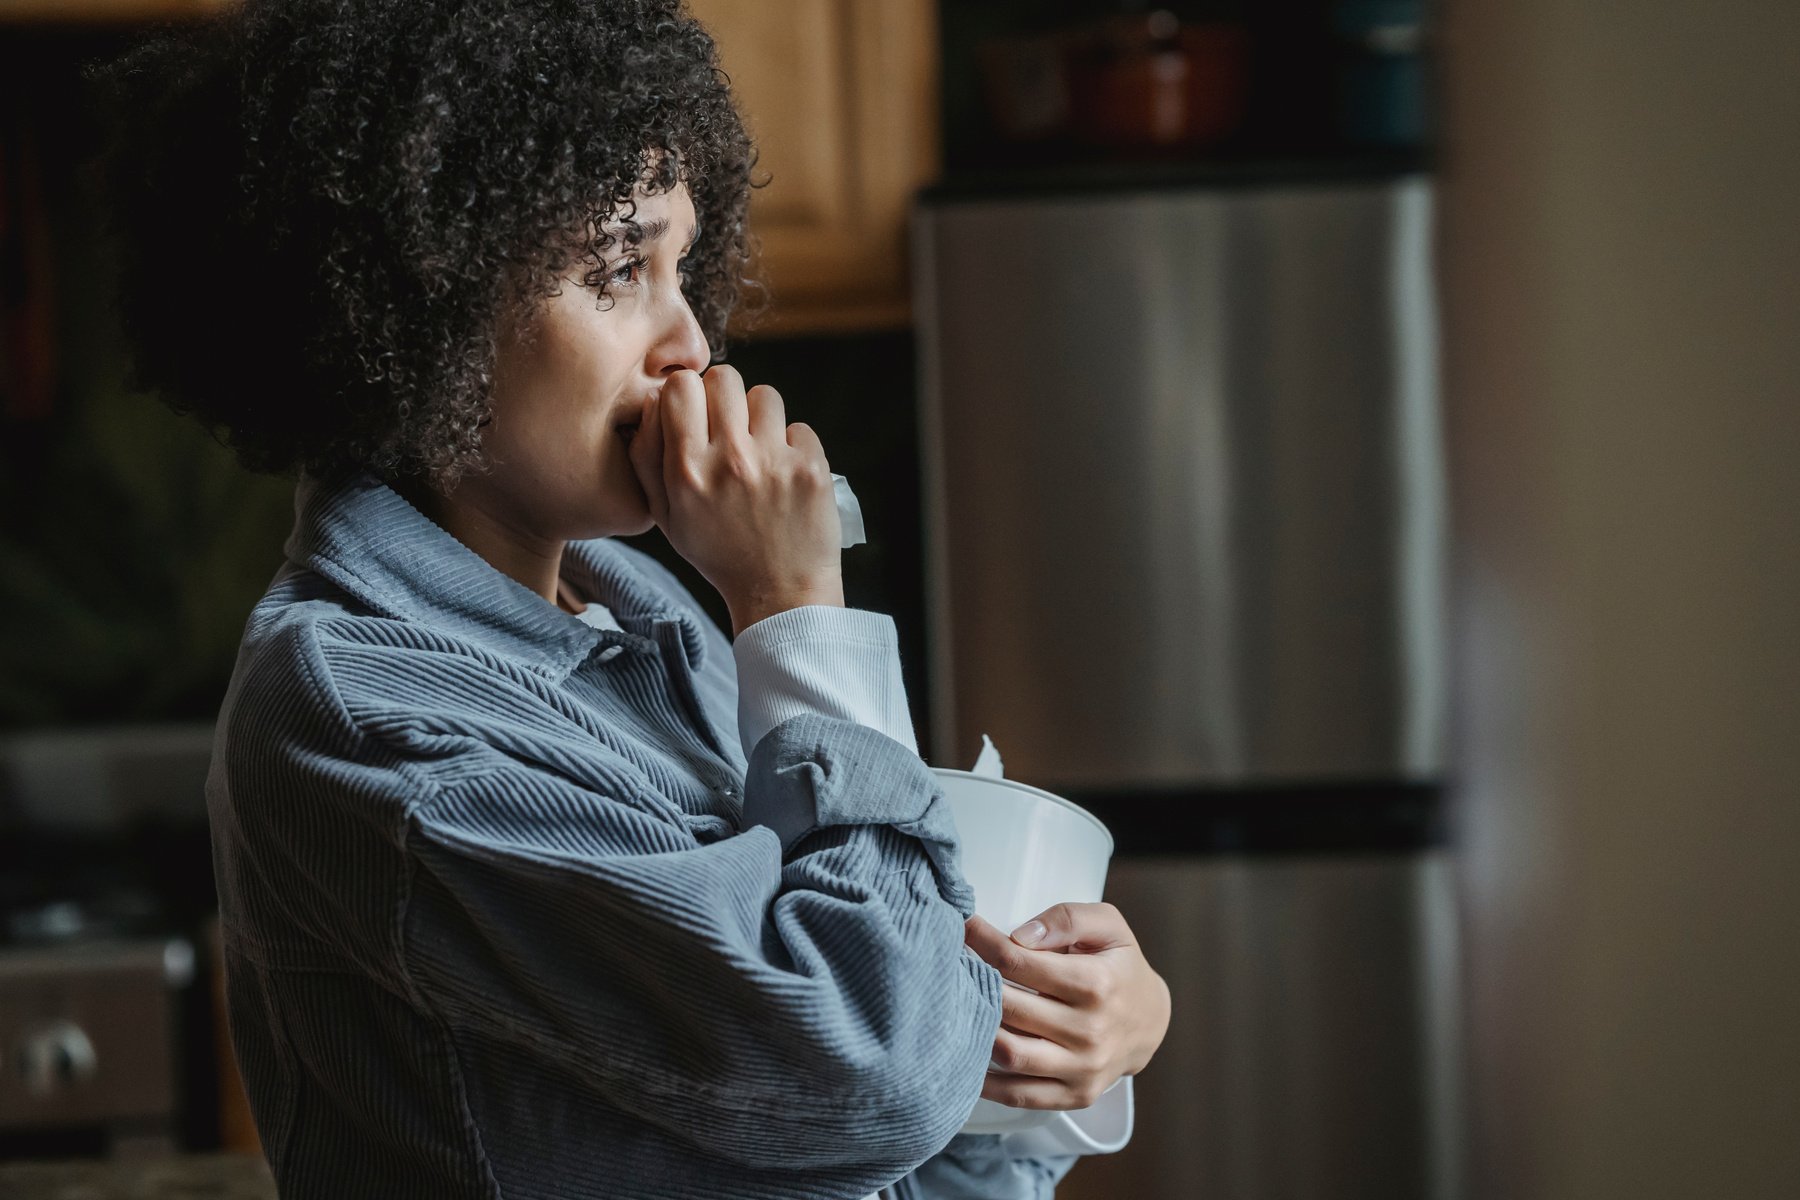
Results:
x,y
1102,988
1012,960
1084,1093
802,431
739,462
684,382
723,372
1005,1093
1015,1095
1084,1033
812,476
1089,987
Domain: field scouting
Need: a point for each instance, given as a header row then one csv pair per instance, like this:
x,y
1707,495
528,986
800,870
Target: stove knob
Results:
x,y
56,1055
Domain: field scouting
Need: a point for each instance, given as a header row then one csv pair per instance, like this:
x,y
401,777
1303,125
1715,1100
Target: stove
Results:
x,y
90,1045
106,1037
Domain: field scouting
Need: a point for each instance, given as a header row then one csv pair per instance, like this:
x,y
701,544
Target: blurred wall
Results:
x,y
1621,248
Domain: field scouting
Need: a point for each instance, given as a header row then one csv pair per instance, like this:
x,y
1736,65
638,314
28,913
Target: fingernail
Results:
x,y
1030,933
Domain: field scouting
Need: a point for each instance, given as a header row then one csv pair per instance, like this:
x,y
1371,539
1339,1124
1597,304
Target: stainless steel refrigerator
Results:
x,y
1184,534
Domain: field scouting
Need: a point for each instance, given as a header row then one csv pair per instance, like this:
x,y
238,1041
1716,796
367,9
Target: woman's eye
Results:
x,y
625,268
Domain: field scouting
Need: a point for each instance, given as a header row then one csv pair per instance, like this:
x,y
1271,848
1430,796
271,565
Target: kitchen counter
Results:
x,y
179,1177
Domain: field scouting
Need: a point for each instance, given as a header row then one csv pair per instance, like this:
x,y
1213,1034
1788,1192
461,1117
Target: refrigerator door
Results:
x,y
1312,1055
1182,477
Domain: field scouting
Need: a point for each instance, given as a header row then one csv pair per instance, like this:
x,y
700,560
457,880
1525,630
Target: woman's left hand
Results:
x,y
1100,1012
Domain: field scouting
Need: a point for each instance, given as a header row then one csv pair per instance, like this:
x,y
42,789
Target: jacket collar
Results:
x,y
369,540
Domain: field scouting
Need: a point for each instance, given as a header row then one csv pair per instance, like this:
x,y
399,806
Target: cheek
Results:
x,y
571,417
579,374
547,441
596,367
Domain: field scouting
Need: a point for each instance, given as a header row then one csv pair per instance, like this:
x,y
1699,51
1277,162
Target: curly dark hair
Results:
x,y
327,212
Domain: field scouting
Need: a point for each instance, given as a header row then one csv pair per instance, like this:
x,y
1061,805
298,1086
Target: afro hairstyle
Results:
x,y
326,213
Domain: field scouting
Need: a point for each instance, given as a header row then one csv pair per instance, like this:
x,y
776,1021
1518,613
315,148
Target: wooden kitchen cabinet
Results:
x,y
841,98
96,11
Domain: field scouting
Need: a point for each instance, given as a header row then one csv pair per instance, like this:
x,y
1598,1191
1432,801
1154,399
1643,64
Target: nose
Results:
x,y
681,343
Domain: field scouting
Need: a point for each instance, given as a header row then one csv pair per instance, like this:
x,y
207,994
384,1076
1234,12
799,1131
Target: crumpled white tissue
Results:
x,y
988,761
849,512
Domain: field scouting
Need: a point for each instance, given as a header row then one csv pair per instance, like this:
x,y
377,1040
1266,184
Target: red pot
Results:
x,y
1145,84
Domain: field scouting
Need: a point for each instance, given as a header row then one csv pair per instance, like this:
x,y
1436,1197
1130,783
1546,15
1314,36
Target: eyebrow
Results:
x,y
653,230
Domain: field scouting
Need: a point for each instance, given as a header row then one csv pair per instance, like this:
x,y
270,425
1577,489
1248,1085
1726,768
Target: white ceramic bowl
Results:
x,y
1023,850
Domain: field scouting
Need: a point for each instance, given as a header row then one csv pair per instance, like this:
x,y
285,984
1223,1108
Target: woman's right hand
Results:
x,y
1099,1013
741,494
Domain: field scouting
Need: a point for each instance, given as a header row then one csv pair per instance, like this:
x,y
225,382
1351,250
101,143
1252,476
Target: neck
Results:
x,y
533,561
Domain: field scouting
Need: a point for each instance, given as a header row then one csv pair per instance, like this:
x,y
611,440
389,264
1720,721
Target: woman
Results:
x,y
508,912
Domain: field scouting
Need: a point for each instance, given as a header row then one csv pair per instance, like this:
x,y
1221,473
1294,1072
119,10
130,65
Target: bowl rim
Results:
x,y
1037,791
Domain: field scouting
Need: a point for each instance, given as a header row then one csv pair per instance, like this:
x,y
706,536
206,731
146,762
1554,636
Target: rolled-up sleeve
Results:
x,y
813,773
795,996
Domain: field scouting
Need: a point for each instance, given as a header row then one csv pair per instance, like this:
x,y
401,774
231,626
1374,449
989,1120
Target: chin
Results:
x,y
627,515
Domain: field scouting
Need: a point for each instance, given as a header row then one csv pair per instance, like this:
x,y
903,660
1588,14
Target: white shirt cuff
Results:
x,y
819,658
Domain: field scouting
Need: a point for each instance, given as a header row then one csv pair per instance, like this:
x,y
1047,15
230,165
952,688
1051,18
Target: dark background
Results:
x,y
131,544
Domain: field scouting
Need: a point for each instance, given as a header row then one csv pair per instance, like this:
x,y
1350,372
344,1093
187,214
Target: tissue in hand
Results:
x,y
849,512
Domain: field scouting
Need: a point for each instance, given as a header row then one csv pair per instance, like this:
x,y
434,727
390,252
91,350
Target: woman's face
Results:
x,y
561,470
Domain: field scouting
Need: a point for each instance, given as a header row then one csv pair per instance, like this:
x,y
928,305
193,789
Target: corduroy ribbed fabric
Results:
x,y
505,916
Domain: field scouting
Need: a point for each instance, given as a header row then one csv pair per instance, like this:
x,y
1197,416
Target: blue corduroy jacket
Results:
x,y
507,915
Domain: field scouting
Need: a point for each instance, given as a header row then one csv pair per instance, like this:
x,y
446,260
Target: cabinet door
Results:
x,y
840,97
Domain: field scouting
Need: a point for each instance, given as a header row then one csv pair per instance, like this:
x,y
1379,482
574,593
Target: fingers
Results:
x,y
1066,977
646,453
1095,1018
713,410
682,414
768,415
753,515
812,455
1082,928
1025,1091
800,436
1049,1018
1018,1053
727,411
